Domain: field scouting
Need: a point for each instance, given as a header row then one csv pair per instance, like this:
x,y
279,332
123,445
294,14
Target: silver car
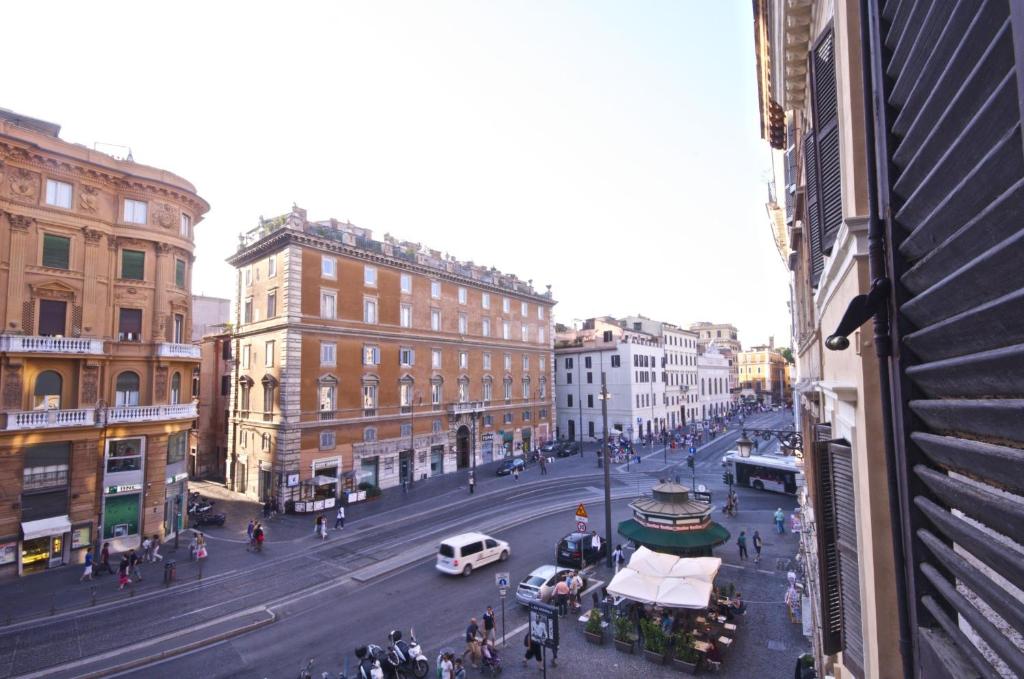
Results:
x,y
539,585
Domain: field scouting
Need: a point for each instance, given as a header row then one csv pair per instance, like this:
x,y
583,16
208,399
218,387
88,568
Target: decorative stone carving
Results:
x,y
24,184
19,222
92,236
164,215
53,290
164,248
12,388
90,384
161,383
88,198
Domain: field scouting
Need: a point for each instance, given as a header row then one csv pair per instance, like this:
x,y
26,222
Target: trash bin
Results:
x,y
170,571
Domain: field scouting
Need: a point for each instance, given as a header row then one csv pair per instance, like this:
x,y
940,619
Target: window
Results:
x,y
542,390
272,266
327,440
56,251
133,265
587,362
179,272
616,361
370,434
524,309
540,312
370,276
526,362
488,420
526,415
405,315
568,378
508,389
178,335
463,391
176,388
542,363
129,328
590,378
508,362
327,396
53,318
48,391
177,444
225,385
268,360
272,304
248,275
507,418
328,305
487,361
435,320
526,390
369,399
245,356
406,356
485,327
244,385
506,304
58,193
488,390
463,360
405,282
436,392
463,324
435,289
247,311
371,354
328,267
435,359
485,300
369,310
569,400
435,426
124,455
524,332
405,393
463,295
406,431
127,389
590,400
328,353
540,335
135,211
506,330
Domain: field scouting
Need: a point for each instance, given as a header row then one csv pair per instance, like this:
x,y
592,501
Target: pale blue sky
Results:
x,y
610,149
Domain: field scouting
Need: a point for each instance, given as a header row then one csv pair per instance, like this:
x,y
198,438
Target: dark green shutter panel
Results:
x,y
56,252
790,170
826,129
845,515
179,273
817,262
828,549
133,265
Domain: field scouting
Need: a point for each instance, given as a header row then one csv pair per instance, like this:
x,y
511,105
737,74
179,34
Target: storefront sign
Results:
x,y
81,536
293,480
8,552
177,477
127,488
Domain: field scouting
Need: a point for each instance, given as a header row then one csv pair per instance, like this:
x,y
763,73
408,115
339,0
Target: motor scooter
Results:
x,y
409,655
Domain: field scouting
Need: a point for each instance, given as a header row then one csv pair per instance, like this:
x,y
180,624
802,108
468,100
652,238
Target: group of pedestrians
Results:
x,y
757,542
256,536
130,566
568,592
481,644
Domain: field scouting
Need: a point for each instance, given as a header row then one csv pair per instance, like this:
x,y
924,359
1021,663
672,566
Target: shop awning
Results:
x,y
54,525
673,541
321,480
648,562
662,591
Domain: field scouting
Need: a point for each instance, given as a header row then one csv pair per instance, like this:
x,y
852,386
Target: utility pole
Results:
x,y
607,470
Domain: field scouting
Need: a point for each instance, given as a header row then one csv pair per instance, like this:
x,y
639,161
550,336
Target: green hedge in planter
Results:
x,y
655,640
594,622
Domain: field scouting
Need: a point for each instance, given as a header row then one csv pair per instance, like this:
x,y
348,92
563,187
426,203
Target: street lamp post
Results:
x,y
607,471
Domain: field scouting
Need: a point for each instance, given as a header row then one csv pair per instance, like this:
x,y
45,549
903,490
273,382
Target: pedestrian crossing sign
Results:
x,y
581,511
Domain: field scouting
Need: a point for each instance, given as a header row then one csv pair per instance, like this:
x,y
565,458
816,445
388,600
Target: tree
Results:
x,y
787,354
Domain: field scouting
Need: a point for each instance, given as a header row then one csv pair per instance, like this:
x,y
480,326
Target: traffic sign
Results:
x,y
581,511
501,580
581,526
502,591
693,450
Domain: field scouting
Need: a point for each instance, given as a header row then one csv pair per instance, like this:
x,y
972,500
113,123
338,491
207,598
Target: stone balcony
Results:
x,y
129,414
31,344
172,350
19,420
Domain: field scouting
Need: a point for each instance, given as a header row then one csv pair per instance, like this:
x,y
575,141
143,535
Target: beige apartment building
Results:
x,y
763,375
96,363
210,437
377,362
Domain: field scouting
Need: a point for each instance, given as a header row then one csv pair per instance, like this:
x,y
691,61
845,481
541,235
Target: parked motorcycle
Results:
x,y
207,519
410,658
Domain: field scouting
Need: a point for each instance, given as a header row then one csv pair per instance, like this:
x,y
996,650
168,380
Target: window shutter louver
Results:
x,y
845,514
790,170
133,265
813,208
826,129
56,252
828,550
52,317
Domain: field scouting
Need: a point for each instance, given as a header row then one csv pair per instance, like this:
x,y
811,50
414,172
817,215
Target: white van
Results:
x,y
459,555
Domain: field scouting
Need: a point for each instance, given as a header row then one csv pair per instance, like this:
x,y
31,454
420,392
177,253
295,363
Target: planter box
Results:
x,y
684,667
656,658
596,639
624,646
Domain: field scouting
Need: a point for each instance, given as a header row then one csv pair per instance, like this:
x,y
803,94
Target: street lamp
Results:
x,y
743,444
607,472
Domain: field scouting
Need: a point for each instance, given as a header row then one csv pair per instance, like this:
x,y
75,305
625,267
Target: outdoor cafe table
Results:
x,y
702,646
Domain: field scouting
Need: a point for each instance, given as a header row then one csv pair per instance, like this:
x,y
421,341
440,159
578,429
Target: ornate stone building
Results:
x,y
95,362
377,361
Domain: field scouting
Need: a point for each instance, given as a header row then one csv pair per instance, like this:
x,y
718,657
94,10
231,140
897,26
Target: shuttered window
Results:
x,y
56,251
129,327
813,208
790,171
52,317
952,198
133,265
828,550
179,273
845,513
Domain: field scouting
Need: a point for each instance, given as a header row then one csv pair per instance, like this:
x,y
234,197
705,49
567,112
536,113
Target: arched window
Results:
x,y
269,385
327,394
488,389
463,390
244,388
47,392
127,389
175,388
370,434
508,389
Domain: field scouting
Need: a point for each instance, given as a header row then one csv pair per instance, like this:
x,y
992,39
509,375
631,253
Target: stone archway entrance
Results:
x,y
462,447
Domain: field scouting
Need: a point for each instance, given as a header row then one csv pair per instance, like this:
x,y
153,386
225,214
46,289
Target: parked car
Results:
x,y
568,449
567,551
461,554
550,447
506,467
539,585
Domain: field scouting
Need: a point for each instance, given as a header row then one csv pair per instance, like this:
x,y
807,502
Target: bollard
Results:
x,y
170,571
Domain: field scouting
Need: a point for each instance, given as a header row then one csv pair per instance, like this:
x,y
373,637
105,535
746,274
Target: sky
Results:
x,y
609,149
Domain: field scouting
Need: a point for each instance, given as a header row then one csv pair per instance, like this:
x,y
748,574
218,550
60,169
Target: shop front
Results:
x,y
507,439
369,471
325,478
123,480
175,505
436,460
44,543
526,440
487,446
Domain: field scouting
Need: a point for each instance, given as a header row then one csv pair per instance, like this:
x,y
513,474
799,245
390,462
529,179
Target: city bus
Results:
x,y
778,473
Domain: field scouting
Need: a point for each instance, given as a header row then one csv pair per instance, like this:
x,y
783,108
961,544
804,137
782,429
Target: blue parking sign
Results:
x,y
693,450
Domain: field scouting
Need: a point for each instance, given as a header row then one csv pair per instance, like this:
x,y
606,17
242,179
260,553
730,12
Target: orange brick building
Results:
x,y
96,364
358,360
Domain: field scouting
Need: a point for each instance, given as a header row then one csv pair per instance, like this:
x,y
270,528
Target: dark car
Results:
x,y
506,467
550,447
568,449
567,552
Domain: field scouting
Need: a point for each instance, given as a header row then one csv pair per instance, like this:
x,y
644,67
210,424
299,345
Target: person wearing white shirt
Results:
x,y
596,543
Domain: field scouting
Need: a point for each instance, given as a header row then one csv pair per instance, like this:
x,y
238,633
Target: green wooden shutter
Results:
x,y
133,265
56,251
179,273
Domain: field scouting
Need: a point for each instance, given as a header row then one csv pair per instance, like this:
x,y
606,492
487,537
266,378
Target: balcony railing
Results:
x,y
171,350
45,419
181,411
50,345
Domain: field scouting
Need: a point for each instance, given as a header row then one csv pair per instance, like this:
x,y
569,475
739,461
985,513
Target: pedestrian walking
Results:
x,y
249,529
595,543
267,508
193,547
147,546
543,465
561,596
780,521
155,549
258,536
105,559
87,572
472,643
489,626
515,473
339,518
758,543
316,524
323,527
122,573
472,482
741,542
618,558
532,650
134,563
200,546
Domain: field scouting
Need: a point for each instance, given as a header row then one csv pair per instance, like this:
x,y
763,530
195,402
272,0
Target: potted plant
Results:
x,y
685,656
625,637
593,631
654,642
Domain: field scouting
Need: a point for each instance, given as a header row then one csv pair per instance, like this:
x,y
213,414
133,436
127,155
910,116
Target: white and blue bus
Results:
x,y
778,473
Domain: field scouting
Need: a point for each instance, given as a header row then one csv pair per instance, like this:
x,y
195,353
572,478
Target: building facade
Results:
x,y
763,375
212,315
209,440
377,362
722,334
680,376
632,363
96,361
713,382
